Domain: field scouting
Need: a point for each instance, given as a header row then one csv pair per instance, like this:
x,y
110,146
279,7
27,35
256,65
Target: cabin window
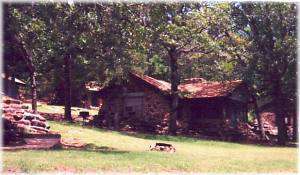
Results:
x,y
133,104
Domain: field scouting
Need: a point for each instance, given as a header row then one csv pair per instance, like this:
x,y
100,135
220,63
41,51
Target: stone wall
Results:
x,y
154,113
156,110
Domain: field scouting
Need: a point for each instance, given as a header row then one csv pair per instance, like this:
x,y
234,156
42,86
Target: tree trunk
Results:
x,y
280,122
116,119
7,82
67,87
33,92
174,92
295,128
259,119
33,82
28,60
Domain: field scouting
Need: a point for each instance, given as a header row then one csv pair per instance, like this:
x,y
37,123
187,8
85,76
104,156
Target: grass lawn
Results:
x,y
41,107
120,152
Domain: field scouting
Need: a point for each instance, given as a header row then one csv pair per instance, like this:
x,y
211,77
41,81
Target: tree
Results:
x,y
272,29
67,45
25,34
185,32
68,28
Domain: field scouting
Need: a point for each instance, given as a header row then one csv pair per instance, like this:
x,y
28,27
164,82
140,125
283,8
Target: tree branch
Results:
x,y
28,55
194,50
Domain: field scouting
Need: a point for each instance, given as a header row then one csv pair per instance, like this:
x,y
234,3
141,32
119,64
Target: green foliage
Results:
x,y
251,116
159,66
270,30
215,41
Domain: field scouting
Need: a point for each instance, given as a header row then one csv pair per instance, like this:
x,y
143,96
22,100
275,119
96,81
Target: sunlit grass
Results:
x,y
129,153
41,107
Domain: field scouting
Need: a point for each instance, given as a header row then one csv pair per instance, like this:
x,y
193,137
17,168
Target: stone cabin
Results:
x,y
143,103
11,86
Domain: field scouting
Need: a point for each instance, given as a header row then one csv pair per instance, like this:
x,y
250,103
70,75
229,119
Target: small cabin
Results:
x,y
11,86
143,103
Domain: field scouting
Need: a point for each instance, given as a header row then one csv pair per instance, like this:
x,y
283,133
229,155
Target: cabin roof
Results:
x,y
191,88
93,86
160,84
195,87
18,81
209,89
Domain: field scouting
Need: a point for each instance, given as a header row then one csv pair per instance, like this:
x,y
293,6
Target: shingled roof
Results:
x,y
191,88
195,87
208,89
93,86
160,84
17,81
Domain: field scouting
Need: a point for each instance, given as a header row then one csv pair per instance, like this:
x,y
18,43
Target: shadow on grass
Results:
x,y
207,141
181,138
91,148
161,137
79,124
170,138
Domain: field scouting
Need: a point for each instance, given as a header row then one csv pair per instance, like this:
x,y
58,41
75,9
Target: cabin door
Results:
x,y
133,105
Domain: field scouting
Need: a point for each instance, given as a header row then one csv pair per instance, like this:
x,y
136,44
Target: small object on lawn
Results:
x,y
84,115
163,147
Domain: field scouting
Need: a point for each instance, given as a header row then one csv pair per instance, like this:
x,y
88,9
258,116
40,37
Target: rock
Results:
x,y
9,110
38,128
26,129
19,121
31,116
39,123
24,107
9,100
17,117
24,122
28,117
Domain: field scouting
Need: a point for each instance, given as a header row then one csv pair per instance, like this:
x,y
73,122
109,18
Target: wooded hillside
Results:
x,y
57,48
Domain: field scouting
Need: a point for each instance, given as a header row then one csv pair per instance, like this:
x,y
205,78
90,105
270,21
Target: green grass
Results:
x,y
41,107
114,152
